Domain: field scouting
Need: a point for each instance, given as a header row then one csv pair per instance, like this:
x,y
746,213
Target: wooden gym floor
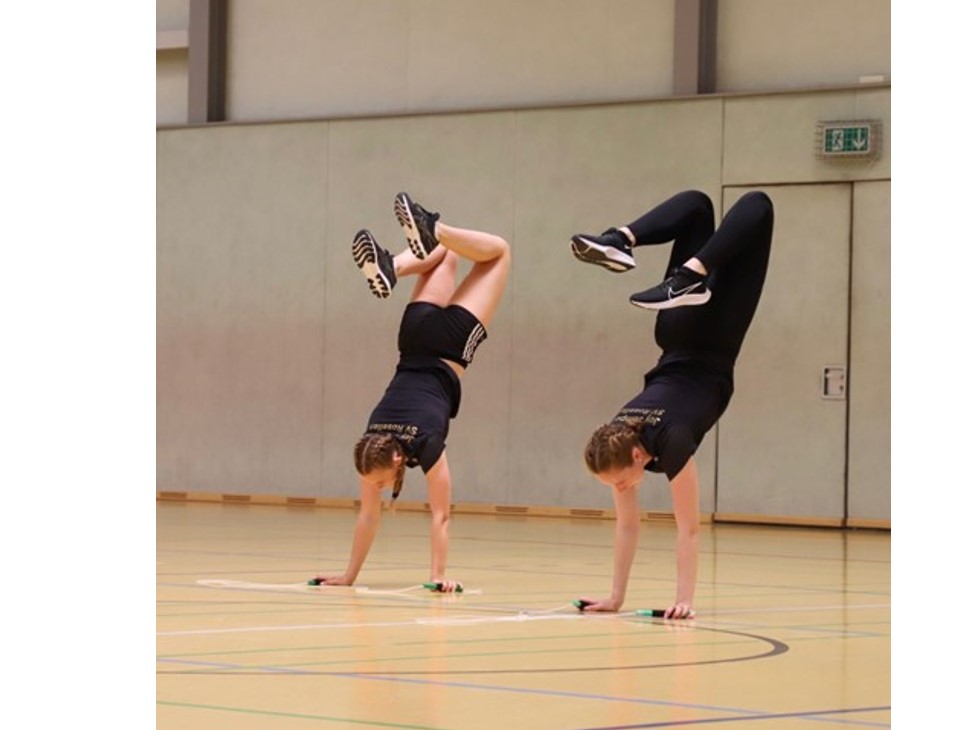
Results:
x,y
792,633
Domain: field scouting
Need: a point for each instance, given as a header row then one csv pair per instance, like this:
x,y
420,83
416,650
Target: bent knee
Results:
x,y
503,253
759,201
699,200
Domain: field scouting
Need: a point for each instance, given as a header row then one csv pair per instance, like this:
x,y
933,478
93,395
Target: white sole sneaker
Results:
x,y
365,251
609,257
406,219
686,300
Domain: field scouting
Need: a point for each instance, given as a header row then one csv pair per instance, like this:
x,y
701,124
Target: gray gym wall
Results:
x,y
271,351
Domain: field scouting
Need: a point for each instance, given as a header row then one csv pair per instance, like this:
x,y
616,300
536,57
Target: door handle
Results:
x,y
834,382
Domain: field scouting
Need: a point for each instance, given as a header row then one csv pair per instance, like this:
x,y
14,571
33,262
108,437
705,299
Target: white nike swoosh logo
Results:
x,y
673,293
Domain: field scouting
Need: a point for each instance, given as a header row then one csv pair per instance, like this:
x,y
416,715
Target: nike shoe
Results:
x,y
611,249
683,288
375,263
418,223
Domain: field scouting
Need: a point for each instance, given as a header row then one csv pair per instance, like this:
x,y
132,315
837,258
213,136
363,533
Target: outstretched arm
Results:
x,y
365,529
626,533
439,500
684,497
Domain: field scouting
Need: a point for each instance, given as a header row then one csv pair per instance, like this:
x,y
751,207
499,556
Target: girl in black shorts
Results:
x,y
706,302
440,330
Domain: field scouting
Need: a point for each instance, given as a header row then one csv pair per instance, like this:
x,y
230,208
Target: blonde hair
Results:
x,y
611,447
377,451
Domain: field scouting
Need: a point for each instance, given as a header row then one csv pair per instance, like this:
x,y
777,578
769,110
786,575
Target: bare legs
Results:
x,y
434,249
482,288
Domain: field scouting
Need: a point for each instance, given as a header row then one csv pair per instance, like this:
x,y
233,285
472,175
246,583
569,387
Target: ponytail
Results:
x,y
399,482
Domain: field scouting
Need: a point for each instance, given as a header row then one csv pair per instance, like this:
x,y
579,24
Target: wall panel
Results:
x,y
781,445
272,352
324,58
171,87
772,139
240,269
868,469
788,44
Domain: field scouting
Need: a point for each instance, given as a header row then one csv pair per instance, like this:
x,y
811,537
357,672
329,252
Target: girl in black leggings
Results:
x,y
440,330
707,300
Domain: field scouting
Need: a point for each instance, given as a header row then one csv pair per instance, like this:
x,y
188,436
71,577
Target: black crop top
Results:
x,y
417,405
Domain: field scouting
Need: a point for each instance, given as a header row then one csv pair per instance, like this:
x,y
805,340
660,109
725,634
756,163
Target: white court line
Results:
x,y
243,585
472,620
519,616
376,624
545,615
400,591
799,609
305,588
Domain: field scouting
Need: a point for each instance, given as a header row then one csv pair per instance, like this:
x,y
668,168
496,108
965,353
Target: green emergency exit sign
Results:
x,y
848,138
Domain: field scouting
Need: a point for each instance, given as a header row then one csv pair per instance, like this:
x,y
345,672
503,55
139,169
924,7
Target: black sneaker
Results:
x,y
611,249
375,263
683,288
418,223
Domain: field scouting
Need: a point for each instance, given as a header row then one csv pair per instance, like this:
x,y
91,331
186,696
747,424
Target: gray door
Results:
x,y
782,442
868,467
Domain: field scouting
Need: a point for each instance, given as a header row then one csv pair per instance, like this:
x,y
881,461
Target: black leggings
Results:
x,y
736,257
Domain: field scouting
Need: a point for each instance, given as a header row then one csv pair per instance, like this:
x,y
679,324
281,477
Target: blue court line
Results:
x,y
272,650
231,667
836,632
809,715
176,658
296,715
465,655
740,714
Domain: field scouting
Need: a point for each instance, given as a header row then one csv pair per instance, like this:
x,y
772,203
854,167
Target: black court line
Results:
x,y
776,648
747,718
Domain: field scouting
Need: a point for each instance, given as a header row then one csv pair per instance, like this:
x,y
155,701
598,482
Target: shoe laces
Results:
x,y
680,278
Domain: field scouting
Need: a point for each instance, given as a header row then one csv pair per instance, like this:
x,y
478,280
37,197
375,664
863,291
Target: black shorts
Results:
x,y
452,332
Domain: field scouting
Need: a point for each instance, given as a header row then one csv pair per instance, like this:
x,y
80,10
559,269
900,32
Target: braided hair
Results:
x,y
377,451
611,447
